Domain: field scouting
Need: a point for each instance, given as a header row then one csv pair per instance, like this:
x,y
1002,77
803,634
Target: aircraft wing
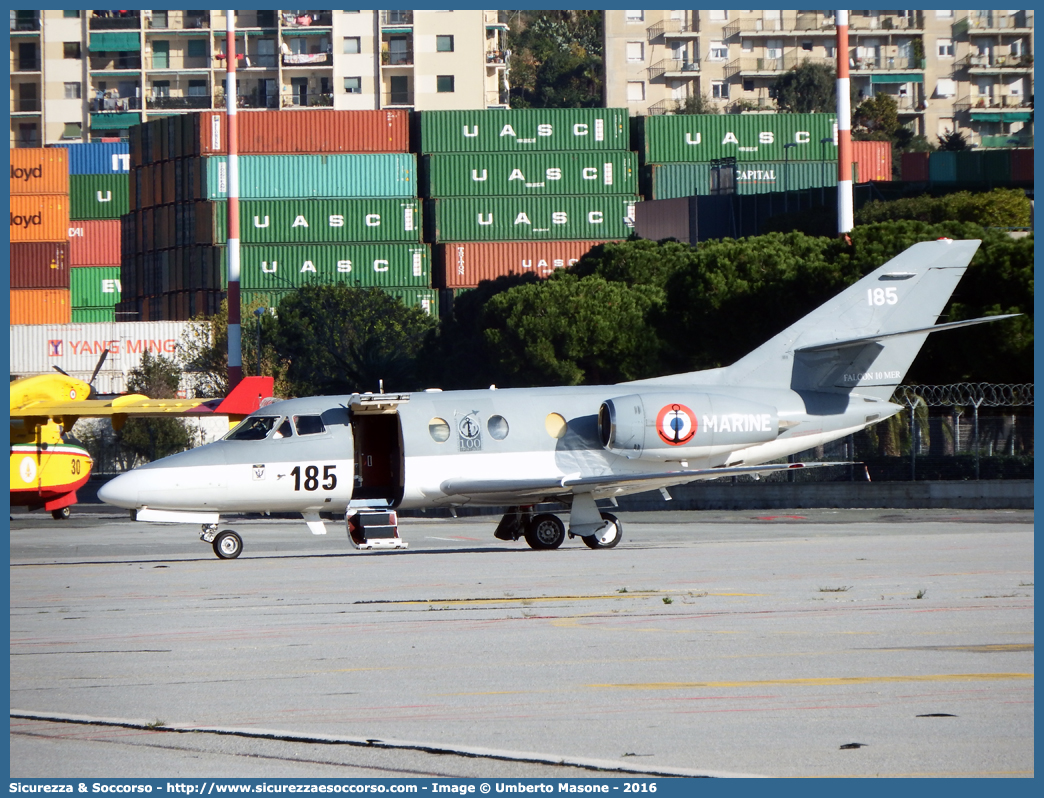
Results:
x,y
128,404
519,489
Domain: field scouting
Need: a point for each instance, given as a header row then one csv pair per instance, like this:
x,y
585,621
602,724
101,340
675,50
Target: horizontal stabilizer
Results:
x,y
871,339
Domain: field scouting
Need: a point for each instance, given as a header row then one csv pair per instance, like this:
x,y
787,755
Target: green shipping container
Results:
x,y
277,267
746,137
530,218
530,174
93,315
98,196
942,167
673,180
426,299
304,176
95,286
522,130
327,221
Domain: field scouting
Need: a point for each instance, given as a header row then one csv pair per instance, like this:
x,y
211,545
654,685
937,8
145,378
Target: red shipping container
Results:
x,y
914,168
40,264
37,170
1022,166
304,131
52,306
94,243
465,265
873,160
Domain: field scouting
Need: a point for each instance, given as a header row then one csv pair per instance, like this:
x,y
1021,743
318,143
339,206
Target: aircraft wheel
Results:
x,y
609,538
228,545
545,531
62,514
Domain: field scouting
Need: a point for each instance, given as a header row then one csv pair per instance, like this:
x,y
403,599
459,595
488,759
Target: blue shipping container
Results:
x,y
98,158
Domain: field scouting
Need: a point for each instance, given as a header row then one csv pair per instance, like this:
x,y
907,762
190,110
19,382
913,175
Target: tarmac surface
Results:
x,y
775,643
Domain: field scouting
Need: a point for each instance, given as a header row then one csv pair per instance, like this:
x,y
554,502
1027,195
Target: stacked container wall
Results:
x,y
309,176
942,167
914,167
98,196
746,137
530,174
1022,166
95,286
40,264
42,306
465,265
95,243
39,217
873,160
98,158
39,171
531,218
304,131
524,130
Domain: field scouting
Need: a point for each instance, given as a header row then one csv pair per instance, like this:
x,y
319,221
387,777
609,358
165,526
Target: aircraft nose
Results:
x,y
121,491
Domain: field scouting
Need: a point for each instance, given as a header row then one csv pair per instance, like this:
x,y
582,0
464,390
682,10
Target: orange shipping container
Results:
x,y
873,160
95,243
465,265
304,131
40,170
39,217
50,306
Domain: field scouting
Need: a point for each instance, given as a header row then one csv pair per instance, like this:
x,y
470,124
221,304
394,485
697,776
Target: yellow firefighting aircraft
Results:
x,y
46,471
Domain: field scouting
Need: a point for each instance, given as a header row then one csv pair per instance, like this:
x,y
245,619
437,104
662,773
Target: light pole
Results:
x,y
259,312
786,175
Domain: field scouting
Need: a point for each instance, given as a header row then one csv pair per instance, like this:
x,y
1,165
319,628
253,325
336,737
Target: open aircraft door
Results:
x,y
380,469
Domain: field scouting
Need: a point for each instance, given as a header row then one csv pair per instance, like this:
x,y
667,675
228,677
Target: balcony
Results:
x,y
987,64
1004,102
496,58
996,22
193,103
124,60
396,98
674,29
24,23
115,20
308,60
673,68
307,19
309,100
805,24
754,67
877,24
177,20
887,63
755,106
25,64
397,58
254,100
495,99
25,105
400,17
1012,140
119,105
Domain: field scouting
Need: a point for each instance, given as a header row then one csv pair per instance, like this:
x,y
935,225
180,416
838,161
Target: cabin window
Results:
x,y
254,428
439,430
555,425
309,425
284,431
498,427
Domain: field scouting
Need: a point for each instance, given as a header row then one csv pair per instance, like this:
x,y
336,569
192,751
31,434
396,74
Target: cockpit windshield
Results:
x,y
254,428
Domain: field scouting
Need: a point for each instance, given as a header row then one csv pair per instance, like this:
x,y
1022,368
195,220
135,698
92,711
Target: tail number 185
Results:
x,y
881,296
311,477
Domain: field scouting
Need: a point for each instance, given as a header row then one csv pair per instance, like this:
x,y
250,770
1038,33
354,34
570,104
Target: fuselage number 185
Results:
x,y
311,477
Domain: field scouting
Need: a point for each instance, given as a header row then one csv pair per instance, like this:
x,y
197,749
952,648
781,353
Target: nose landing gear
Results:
x,y
227,544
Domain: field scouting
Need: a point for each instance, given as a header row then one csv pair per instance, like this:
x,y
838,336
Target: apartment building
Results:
x,y
965,70
83,75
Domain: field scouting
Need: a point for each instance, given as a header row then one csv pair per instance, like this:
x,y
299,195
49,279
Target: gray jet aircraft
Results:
x,y
364,456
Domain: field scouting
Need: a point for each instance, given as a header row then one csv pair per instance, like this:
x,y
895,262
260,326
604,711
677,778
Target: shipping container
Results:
x,y
94,243
530,218
465,265
95,286
1022,166
328,221
942,167
996,167
301,131
670,180
97,158
873,160
75,348
41,170
914,167
969,168
93,315
524,130
40,264
39,217
530,174
425,299
307,176
746,137
364,265
38,306
98,196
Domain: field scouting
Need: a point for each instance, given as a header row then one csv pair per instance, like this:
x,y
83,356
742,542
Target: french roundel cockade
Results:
x,y
675,424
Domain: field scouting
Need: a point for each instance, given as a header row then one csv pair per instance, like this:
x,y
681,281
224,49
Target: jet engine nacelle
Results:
x,y
677,426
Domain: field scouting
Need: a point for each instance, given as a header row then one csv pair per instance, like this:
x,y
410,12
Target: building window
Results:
x,y
197,48
353,85
351,45
72,91
73,130
748,45
748,84
71,14
945,47
719,90
806,46
943,14
197,88
635,51
71,49
717,16
444,44
634,16
719,51
444,84
161,88
635,91
1016,48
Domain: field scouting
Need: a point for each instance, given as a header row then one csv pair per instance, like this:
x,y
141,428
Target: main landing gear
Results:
x,y
547,531
227,544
